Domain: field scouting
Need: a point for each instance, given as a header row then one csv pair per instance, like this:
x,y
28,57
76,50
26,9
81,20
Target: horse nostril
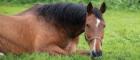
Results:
x,y
96,54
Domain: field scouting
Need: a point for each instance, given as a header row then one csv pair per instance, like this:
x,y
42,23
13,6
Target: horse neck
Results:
x,y
69,31
74,31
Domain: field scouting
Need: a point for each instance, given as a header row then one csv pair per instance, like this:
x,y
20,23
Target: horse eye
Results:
x,y
87,25
104,26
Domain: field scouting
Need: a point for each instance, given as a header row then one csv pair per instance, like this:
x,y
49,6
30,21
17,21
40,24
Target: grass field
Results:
x,y
121,41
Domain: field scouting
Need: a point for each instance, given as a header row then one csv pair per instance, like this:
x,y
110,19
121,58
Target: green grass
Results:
x,y
12,9
121,41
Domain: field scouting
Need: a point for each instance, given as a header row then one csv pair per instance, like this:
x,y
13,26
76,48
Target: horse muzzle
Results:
x,y
96,54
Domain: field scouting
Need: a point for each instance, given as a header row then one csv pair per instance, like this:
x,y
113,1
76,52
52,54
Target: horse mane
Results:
x,y
67,15
64,14
97,13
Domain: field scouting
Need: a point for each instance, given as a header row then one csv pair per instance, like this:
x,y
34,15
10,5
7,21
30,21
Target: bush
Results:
x,y
122,4
111,4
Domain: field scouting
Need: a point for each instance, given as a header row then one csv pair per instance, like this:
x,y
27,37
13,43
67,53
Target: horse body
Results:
x,y
24,35
14,34
33,33
53,28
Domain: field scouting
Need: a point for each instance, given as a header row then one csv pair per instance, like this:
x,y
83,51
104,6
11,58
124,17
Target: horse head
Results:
x,y
94,29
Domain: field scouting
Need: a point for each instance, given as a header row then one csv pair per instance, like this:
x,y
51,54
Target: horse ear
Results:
x,y
103,7
89,8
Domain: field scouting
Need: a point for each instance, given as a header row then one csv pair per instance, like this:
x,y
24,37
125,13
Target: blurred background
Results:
x,y
111,4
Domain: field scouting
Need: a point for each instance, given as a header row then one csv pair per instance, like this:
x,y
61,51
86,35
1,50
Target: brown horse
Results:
x,y
52,28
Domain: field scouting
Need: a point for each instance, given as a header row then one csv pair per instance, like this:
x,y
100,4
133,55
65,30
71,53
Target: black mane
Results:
x,y
97,13
65,14
69,16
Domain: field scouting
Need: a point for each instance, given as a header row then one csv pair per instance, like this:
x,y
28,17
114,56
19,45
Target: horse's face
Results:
x,y
94,30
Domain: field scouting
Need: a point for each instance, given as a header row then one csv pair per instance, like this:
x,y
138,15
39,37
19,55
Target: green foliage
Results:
x,y
123,4
111,4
